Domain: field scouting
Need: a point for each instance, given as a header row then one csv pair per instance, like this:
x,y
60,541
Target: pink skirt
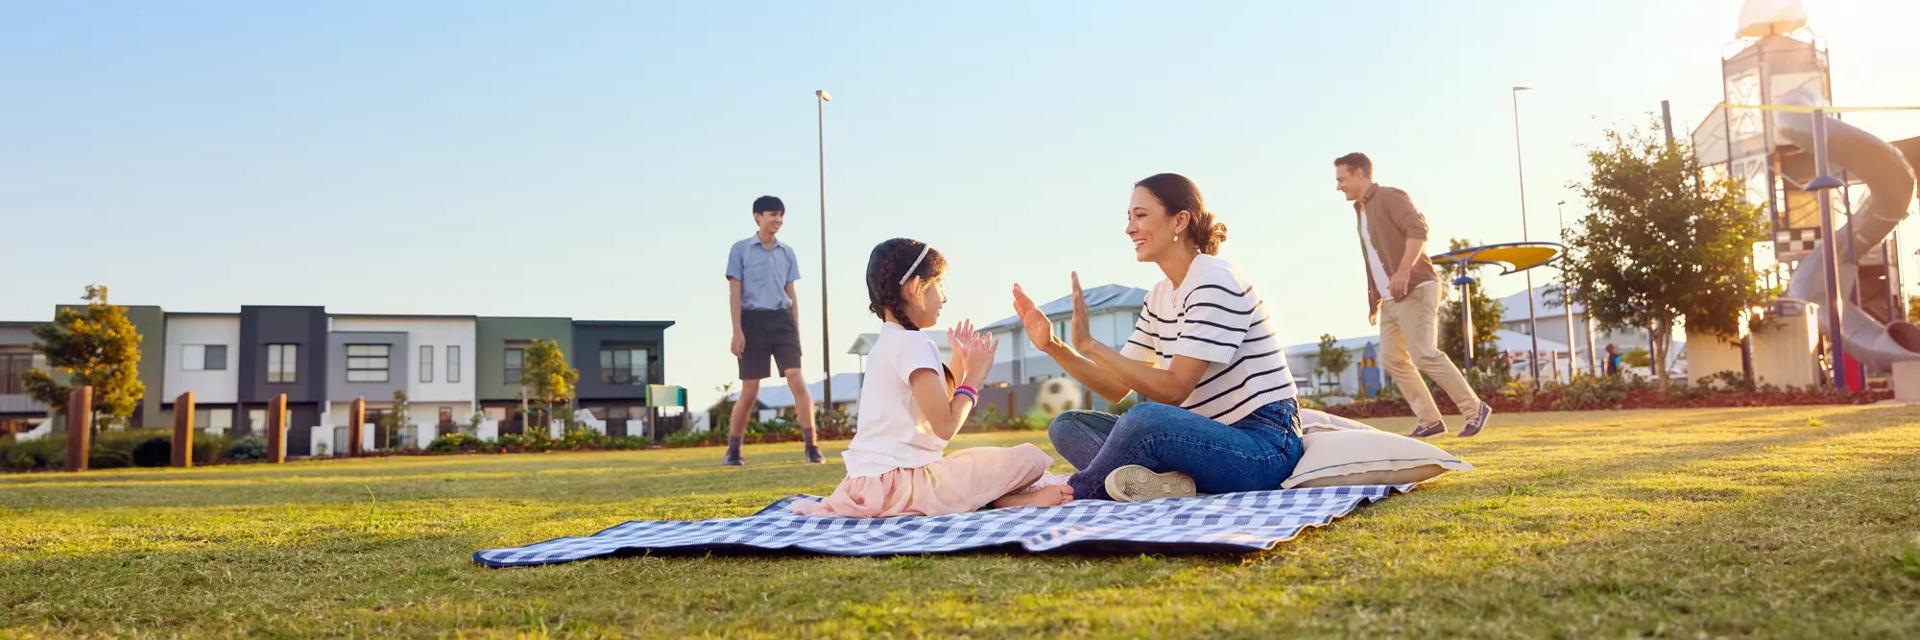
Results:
x,y
964,481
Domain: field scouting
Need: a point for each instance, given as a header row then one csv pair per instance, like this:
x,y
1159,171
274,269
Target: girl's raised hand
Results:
x,y
980,350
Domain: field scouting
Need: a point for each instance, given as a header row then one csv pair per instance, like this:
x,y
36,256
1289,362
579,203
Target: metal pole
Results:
x,y
1466,315
1566,294
1822,184
1533,326
826,340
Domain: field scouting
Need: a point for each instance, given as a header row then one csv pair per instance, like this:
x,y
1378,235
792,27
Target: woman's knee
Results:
x,y
1069,424
1147,420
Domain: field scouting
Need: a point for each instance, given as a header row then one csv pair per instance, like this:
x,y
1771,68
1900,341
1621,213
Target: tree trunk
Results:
x,y
1662,342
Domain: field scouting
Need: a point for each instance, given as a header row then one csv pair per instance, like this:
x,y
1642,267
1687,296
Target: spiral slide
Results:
x,y
1890,182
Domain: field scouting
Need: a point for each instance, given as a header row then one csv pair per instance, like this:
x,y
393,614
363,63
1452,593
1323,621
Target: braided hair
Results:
x,y
887,265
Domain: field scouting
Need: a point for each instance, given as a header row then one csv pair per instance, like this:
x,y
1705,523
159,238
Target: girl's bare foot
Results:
x,y
1052,496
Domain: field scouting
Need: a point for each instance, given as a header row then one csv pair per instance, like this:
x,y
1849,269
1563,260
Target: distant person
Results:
x,y
1404,299
911,406
766,324
1217,410
1613,360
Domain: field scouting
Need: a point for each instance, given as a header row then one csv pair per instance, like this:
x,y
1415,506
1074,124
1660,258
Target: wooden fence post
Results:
x,y
277,429
79,427
183,430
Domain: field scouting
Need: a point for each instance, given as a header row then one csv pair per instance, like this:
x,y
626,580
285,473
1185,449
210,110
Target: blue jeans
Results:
x,y
1255,454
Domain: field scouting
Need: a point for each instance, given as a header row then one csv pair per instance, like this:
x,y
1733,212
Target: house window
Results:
x,y
369,362
11,366
426,363
213,420
496,414
446,416
623,366
453,363
203,357
283,363
515,358
257,420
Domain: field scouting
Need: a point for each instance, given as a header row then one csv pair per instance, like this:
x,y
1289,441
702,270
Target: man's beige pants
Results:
x,y
1409,332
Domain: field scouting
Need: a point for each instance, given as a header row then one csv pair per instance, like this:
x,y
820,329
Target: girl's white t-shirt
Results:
x,y
893,432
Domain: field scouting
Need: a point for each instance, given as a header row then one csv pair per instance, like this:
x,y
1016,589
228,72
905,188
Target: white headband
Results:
x,y
924,247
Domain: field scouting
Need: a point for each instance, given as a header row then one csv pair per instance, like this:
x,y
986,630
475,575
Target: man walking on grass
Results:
x,y
766,323
1404,299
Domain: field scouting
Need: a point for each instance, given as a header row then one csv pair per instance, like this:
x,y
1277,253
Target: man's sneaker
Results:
x,y
813,455
733,458
1477,422
1134,483
1428,430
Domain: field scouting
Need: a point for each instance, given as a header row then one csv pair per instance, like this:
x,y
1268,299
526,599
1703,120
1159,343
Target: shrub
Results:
x,y
45,453
1591,392
252,447
114,449
153,452
1728,380
711,437
208,447
986,417
453,442
777,427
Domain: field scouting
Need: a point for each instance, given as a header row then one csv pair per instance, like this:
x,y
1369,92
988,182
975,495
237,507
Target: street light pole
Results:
x,y
1822,185
1566,294
821,98
1533,326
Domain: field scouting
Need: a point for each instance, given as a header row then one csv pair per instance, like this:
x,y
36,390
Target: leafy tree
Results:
x,y
548,378
95,346
397,420
1663,243
1332,360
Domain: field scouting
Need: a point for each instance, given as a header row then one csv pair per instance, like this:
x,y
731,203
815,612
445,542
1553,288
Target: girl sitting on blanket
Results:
x,y
910,407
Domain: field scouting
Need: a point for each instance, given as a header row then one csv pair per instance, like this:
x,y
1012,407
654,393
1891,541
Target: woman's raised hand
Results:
x,y
1039,329
1082,335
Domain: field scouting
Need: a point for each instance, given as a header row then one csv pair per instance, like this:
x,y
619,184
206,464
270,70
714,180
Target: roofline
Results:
x,y
420,316
625,323
204,314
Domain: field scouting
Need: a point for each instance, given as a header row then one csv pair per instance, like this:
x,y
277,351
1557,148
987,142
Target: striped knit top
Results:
x,y
1214,316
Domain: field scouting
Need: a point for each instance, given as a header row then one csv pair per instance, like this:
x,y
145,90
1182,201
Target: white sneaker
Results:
x,y
1134,483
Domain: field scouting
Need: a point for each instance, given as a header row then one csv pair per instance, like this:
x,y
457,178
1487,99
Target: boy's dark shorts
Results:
x,y
771,335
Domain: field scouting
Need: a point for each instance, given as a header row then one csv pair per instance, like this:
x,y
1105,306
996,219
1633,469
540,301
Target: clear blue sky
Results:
x,y
595,160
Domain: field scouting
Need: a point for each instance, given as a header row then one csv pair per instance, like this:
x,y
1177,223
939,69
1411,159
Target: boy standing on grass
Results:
x,y
766,323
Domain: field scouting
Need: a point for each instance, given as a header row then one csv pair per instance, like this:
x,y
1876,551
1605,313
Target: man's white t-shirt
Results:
x,y
1374,264
893,432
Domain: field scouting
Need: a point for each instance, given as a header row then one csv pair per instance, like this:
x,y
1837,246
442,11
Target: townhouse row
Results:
x,y
450,366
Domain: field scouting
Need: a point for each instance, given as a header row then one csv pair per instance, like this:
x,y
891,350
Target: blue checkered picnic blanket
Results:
x,y
1235,522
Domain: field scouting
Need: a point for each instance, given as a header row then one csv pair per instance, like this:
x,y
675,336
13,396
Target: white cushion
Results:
x,y
1315,421
1340,458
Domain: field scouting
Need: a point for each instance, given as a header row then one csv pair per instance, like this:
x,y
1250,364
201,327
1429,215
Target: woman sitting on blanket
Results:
x,y
910,408
1218,412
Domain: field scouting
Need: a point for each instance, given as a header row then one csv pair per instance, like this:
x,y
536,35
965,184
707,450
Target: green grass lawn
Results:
x,y
1796,522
